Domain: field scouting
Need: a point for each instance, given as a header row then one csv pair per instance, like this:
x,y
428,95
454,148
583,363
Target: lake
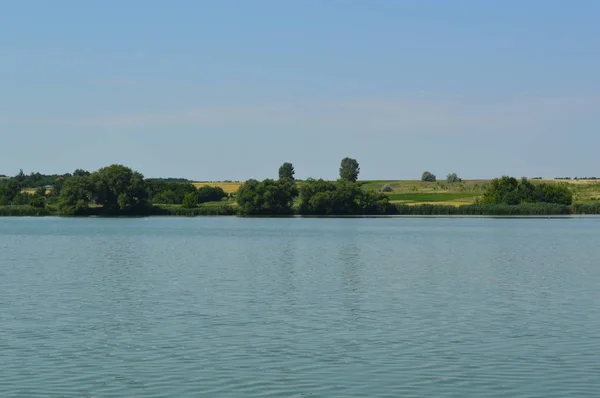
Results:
x,y
290,307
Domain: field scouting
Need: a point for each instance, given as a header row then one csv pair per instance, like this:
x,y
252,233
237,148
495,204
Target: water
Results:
x,y
228,307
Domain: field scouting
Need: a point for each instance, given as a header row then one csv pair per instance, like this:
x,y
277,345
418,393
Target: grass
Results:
x,y
431,197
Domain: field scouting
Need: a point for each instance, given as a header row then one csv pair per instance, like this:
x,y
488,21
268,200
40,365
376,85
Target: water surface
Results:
x,y
232,307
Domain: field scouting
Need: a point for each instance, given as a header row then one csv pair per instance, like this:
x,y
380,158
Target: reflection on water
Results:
x,y
299,307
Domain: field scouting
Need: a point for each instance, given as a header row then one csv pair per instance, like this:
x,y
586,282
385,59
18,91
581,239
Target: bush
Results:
x,y
428,177
221,210
210,194
452,178
38,201
268,197
24,211
387,188
190,201
319,197
510,191
22,198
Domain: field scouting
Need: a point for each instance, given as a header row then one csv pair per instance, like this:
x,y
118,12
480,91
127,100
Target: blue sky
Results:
x,y
231,89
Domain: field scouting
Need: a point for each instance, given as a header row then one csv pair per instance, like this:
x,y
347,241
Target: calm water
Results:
x,y
228,307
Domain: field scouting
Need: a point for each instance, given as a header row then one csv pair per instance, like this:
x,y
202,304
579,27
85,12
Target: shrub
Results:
x,y
268,197
22,198
428,177
38,201
319,197
452,178
510,191
190,200
210,194
387,188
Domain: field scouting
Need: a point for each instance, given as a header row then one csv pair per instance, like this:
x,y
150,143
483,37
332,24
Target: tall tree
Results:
x,y
286,171
349,169
76,195
120,189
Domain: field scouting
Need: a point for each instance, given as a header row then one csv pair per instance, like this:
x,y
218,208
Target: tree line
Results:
x,y
115,189
119,190
314,196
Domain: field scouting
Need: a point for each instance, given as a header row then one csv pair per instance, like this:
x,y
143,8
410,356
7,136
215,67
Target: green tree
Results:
x,y
510,191
76,195
10,189
268,197
20,177
22,198
40,191
190,200
210,194
349,169
81,173
320,197
38,201
452,178
166,197
286,171
120,189
428,177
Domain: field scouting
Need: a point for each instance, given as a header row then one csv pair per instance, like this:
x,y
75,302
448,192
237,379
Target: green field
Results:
x,y
465,192
432,197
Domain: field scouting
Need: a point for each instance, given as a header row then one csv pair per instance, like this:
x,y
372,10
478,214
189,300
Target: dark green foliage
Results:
x,y
38,201
22,198
120,189
24,211
9,189
428,177
268,197
210,194
510,191
21,177
57,186
35,180
387,188
319,197
452,178
190,200
221,210
76,195
81,173
349,169
168,193
524,209
154,187
41,191
167,197
286,172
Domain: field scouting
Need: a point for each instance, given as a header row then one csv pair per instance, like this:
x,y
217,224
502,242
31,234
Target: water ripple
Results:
x,y
169,307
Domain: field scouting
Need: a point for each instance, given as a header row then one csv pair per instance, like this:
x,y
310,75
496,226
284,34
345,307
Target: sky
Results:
x,y
229,90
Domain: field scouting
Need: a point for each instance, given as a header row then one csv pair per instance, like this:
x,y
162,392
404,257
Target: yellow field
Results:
x,y
228,187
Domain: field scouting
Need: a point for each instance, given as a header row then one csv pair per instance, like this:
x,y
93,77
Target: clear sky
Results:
x,y
231,89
